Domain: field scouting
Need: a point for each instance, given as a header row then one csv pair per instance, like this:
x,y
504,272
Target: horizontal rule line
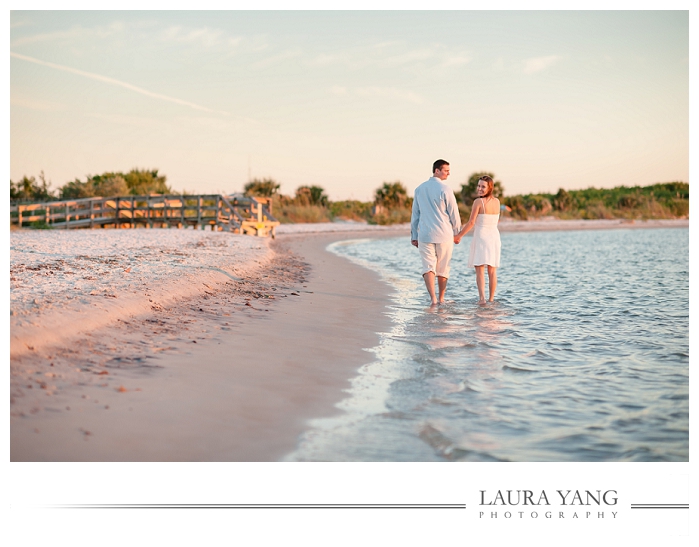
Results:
x,y
259,506
660,506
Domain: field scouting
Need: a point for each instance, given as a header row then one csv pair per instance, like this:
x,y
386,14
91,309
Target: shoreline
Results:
x,y
232,373
553,224
506,224
244,392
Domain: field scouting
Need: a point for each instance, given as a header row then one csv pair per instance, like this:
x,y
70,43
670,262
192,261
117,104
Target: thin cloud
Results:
x,y
73,33
394,55
537,64
276,59
324,59
456,60
410,57
132,121
205,37
48,36
113,81
20,23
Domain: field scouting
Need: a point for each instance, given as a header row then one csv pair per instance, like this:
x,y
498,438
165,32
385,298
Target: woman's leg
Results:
x,y
480,281
492,281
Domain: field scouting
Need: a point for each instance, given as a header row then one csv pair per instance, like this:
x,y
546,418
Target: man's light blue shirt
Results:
x,y
435,217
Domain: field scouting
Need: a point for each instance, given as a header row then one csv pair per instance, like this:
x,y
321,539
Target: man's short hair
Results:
x,y
438,165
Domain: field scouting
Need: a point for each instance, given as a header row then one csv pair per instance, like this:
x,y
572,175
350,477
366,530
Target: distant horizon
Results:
x,y
349,100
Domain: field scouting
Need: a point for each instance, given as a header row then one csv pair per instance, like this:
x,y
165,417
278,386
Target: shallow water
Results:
x,y
584,356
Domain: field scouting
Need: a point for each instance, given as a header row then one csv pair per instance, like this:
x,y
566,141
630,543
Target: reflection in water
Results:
x,y
573,362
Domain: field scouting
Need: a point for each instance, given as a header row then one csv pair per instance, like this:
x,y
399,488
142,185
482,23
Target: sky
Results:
x,y
348,100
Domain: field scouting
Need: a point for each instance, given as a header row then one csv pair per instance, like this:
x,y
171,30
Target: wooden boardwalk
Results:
x,y
235,213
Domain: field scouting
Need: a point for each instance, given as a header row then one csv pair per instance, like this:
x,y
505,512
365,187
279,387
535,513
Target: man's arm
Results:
x,y
453,211
414,220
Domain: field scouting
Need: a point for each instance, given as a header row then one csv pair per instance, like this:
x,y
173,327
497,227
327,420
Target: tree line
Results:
x,y
391,203
136,182
662,200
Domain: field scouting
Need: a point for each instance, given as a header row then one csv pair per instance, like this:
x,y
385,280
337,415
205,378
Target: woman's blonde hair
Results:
x,y
489,182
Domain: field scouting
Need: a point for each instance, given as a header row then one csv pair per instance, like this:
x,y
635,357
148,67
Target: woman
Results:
x,y
485,246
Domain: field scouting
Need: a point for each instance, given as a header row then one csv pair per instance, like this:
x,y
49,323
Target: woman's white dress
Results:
x,y
485,245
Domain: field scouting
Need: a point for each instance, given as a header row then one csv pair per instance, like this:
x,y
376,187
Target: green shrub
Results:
x,y
40,225
261,187
293,213
597,210
351,210
392,216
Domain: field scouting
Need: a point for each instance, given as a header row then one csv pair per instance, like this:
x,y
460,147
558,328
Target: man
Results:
x,y
434,223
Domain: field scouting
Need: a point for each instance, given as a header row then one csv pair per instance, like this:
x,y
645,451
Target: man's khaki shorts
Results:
x,y
436,257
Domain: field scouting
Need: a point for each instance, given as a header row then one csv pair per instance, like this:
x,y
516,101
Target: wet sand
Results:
x,y
229,376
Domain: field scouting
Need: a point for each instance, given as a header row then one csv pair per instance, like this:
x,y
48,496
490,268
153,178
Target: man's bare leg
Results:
x,y
429,283
492,281
442,282
480,282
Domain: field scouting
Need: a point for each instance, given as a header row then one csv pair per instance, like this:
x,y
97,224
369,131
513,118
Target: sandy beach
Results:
x,y
191,346
231,373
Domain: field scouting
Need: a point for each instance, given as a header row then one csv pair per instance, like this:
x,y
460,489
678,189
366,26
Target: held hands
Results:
x,y
457,239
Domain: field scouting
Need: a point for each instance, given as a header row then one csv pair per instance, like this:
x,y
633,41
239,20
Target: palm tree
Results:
x,y
312,195
391,195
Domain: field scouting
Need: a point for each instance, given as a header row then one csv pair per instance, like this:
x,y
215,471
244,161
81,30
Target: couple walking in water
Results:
x,y
435,227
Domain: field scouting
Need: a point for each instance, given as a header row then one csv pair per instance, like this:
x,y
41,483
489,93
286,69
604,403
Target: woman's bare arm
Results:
x,y
477,206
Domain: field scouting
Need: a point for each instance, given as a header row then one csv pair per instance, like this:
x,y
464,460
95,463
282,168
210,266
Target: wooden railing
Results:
x,y
234,213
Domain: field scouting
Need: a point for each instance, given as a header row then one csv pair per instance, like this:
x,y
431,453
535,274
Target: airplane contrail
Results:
x,y
114,82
